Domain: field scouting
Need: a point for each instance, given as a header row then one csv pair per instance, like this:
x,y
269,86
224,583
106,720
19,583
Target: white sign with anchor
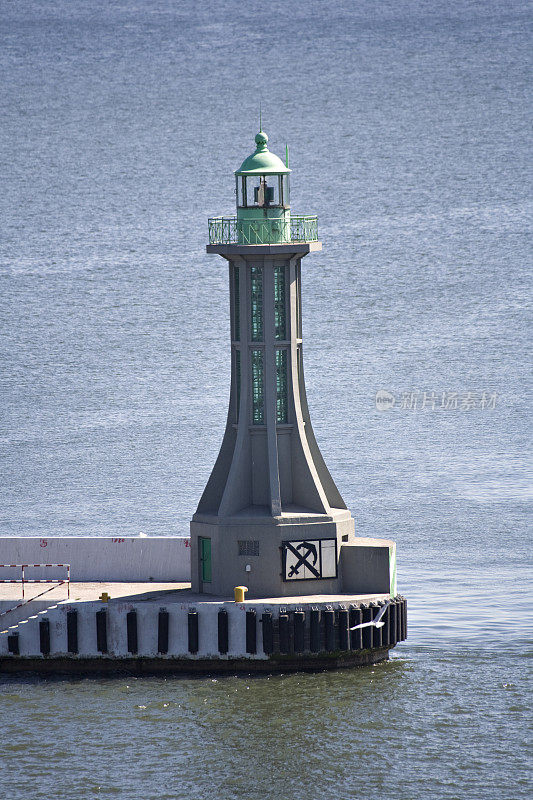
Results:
x,y
309,559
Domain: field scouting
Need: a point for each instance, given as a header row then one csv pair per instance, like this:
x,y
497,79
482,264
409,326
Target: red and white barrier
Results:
x,y
22,580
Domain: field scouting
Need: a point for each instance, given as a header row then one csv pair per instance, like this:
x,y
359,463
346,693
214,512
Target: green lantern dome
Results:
x,y
262,162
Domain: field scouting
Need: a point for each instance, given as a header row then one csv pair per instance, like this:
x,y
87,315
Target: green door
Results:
x,y
205,559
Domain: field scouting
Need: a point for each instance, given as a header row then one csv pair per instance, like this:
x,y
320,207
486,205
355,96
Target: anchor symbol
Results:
x,y
310,551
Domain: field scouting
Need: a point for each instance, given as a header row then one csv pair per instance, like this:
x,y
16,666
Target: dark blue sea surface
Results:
x,y
408,124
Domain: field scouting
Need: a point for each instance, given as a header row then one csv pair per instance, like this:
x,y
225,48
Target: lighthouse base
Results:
x,y
297,553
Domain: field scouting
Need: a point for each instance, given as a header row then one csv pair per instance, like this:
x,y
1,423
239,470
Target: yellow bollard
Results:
x,y
104,597
239,593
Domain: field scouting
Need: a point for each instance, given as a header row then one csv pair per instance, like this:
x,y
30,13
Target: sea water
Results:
x,y
408,126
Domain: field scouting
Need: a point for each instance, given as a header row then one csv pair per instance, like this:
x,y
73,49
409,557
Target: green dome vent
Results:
x,y
262,162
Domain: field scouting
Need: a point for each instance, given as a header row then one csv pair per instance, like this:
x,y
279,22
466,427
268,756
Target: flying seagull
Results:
x,y
376,621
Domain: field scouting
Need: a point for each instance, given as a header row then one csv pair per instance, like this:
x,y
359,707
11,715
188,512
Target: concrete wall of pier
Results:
x,y
99,558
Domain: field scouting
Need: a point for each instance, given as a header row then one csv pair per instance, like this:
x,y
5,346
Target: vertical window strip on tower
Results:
x,y
257,303
299,365
258,400
280,317
236,305
238,379
281,385
298,301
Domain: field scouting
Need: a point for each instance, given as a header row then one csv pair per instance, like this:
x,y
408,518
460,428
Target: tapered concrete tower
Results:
x,y
270,516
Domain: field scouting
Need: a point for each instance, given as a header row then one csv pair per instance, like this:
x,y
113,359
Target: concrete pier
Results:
x,y
153,627
141,626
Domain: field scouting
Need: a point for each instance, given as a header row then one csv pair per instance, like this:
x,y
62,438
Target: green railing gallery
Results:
x,y
230,230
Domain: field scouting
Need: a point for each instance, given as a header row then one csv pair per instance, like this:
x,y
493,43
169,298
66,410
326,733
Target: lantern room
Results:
x,y
263,201
262,181
263,205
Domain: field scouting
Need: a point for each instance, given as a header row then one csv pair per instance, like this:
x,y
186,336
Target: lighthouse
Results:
x,y
271,516
270,522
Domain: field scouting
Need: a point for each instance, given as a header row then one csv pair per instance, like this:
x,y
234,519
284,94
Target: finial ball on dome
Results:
x,y
261,139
